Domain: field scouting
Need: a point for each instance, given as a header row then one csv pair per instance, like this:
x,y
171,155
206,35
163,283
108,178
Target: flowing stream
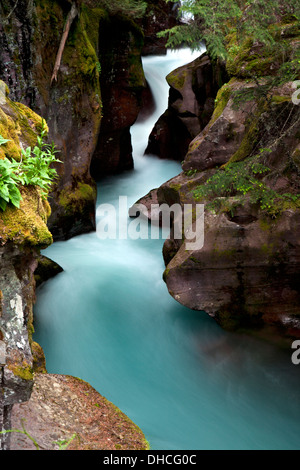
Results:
x,y
109,320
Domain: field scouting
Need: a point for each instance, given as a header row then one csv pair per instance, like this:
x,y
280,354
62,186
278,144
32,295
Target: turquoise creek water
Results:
x,y
108,319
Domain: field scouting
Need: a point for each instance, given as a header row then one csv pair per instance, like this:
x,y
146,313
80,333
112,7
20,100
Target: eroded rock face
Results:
x,y
223,135
246,275
122,84
17,294
19,249
15,49
159,16
30,34
193,89
98,46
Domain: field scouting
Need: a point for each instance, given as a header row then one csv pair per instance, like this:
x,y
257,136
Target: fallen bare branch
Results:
x,y
70,18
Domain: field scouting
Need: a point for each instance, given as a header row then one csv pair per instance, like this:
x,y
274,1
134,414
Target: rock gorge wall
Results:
x,y
97,95
122,83
246,276
23,232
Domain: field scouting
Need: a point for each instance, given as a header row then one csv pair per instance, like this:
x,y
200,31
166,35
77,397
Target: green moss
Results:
x,y
280,99
39,361
134,428
24,371
74,200
176,79
80,56
267,249
136,72
10,130
221,101
248,58
27,225
247,144
176,187
18,122
30,123
220,253
92,19
265,224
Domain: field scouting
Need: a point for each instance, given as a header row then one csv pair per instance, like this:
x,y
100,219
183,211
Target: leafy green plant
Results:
x,y
64,443
190,172
34,169
3,141
9,191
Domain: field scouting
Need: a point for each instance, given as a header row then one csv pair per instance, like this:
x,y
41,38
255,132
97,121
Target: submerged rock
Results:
x,y
46,269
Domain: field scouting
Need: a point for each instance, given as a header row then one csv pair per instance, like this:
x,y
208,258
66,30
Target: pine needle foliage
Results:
x,y
211,21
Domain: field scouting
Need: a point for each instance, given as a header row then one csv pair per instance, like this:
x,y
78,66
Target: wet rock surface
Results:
x,y
246,273
122,84
193,89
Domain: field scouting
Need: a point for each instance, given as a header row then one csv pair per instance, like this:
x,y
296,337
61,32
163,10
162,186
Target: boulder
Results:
x,y
193,89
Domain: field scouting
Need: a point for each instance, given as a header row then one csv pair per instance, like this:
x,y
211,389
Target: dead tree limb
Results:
x,y
70,18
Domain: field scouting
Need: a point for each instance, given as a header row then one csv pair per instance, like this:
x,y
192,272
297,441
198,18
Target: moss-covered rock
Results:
x,y
72,106
250,58
122,84
193,89
23,232
246,274
28,224
19,124
45,270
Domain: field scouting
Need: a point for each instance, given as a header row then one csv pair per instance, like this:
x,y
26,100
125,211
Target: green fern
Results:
x,y
34,169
